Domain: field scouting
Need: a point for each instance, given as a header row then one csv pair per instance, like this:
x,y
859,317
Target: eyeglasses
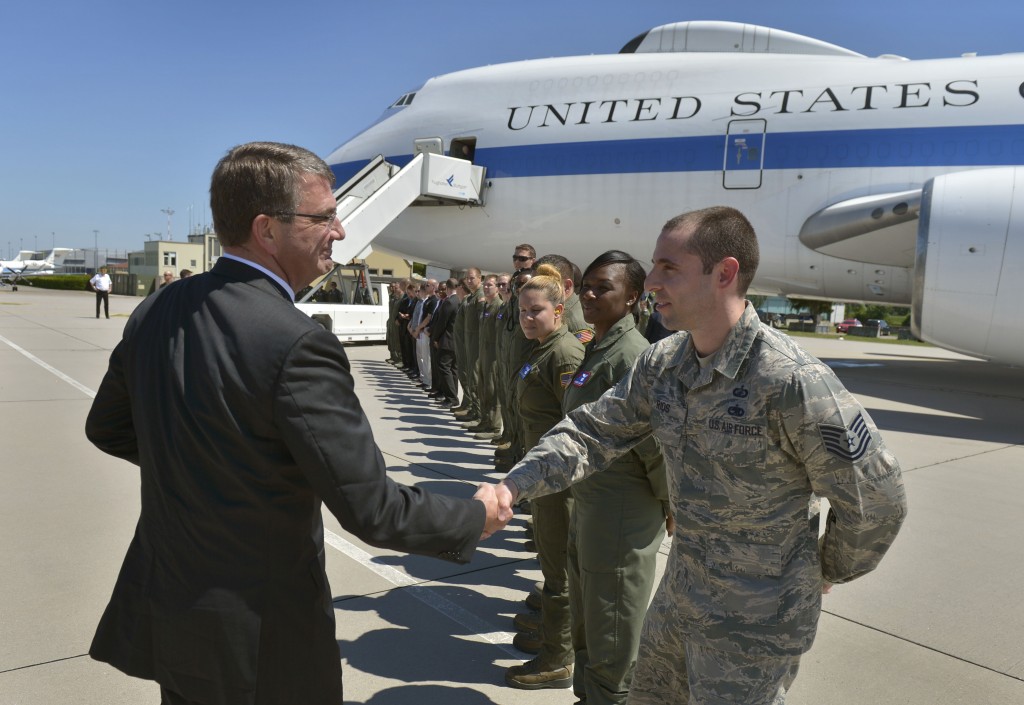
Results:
x,y
521,258
327,219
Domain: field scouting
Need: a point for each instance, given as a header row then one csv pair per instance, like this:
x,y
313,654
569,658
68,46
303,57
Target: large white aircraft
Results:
x,y
867,179
23,266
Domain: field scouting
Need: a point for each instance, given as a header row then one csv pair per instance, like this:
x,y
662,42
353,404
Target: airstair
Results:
x,y
370,200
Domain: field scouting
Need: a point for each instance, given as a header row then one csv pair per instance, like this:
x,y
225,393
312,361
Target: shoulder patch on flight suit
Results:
x,y
846,443
582,378
565,378
584,336
525,371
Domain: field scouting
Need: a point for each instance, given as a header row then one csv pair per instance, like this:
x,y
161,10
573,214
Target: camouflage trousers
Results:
x,y
674,670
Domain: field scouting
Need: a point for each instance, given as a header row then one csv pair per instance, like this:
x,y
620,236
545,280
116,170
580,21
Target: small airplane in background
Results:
x,y
21,266
881,180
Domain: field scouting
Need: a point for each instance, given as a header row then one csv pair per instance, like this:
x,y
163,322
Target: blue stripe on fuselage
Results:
x,y
988,145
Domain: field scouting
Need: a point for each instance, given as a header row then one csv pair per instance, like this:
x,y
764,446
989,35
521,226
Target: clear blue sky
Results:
x,y
113,110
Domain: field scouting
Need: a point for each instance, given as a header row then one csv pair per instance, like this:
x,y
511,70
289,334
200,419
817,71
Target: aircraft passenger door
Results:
x,y
744,154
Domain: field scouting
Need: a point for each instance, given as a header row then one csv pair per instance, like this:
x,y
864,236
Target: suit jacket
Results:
x,y
442,325
241,414
405,306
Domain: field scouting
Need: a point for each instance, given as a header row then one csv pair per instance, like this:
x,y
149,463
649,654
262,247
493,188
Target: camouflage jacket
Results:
x,y
746,440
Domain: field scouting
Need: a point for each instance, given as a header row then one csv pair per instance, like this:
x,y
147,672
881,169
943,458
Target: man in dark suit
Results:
x,y
241,414
442,343
405,310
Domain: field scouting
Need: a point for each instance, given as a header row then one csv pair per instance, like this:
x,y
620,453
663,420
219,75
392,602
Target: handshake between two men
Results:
x,y
497,500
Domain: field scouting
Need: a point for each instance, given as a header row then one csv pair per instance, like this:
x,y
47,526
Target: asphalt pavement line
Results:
x,y
426,595
50,368
429,597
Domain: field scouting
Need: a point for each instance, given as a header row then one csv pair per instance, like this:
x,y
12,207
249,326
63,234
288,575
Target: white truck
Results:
x,y
347,303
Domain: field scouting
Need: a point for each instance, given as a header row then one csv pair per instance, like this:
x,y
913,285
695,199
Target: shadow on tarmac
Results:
x,y
985,400
426,695
449,655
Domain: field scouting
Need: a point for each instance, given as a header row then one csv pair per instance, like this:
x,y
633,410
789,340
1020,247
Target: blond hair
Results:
x,y
547,280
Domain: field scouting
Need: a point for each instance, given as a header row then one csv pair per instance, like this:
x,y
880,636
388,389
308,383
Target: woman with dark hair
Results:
x,y
619,514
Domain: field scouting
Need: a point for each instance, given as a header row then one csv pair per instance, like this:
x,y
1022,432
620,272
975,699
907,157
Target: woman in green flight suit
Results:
x,y
619,514
540,385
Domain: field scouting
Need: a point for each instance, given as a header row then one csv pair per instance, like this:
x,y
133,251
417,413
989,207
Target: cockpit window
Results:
x,y
404,100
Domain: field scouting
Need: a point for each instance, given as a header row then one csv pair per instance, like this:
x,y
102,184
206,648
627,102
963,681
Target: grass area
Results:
x,y
888,339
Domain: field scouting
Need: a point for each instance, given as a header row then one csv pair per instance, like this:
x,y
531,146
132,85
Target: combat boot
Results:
x,y
535,674
528,642
533,600
527,622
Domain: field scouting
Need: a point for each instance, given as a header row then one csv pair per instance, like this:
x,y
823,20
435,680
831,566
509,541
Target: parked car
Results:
x,y
847,324
772,319
883,326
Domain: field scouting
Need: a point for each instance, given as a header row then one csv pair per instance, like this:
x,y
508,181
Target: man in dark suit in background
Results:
x,y
241,414
442,342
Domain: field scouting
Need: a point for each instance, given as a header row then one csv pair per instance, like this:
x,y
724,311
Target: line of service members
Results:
x,y
528,348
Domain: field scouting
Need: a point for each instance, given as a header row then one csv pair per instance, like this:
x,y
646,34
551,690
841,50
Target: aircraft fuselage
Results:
x,y
586,154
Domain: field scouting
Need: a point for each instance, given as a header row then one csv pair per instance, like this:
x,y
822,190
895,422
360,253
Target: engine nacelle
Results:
x,y
969,268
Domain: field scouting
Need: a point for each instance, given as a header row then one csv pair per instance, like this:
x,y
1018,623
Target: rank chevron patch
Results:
x,y
846,443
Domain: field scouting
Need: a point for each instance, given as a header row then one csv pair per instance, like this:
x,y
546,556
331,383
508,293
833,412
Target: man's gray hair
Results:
x,y
258,178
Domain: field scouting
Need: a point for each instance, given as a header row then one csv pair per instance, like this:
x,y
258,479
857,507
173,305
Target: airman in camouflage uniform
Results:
x,y
750,426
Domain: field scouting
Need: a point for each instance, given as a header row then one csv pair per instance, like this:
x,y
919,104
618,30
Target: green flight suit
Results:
x,y
540,386
471,341
502,369
574,321
520,349
487,356
617,527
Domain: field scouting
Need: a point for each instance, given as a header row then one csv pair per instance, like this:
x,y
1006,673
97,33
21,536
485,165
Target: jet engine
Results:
x,y
969,264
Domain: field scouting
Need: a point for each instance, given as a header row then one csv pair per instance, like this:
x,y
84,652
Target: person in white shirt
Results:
x,y
100,283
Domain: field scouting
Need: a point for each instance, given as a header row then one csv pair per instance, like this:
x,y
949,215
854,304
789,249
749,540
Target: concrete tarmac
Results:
x,y
939,623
